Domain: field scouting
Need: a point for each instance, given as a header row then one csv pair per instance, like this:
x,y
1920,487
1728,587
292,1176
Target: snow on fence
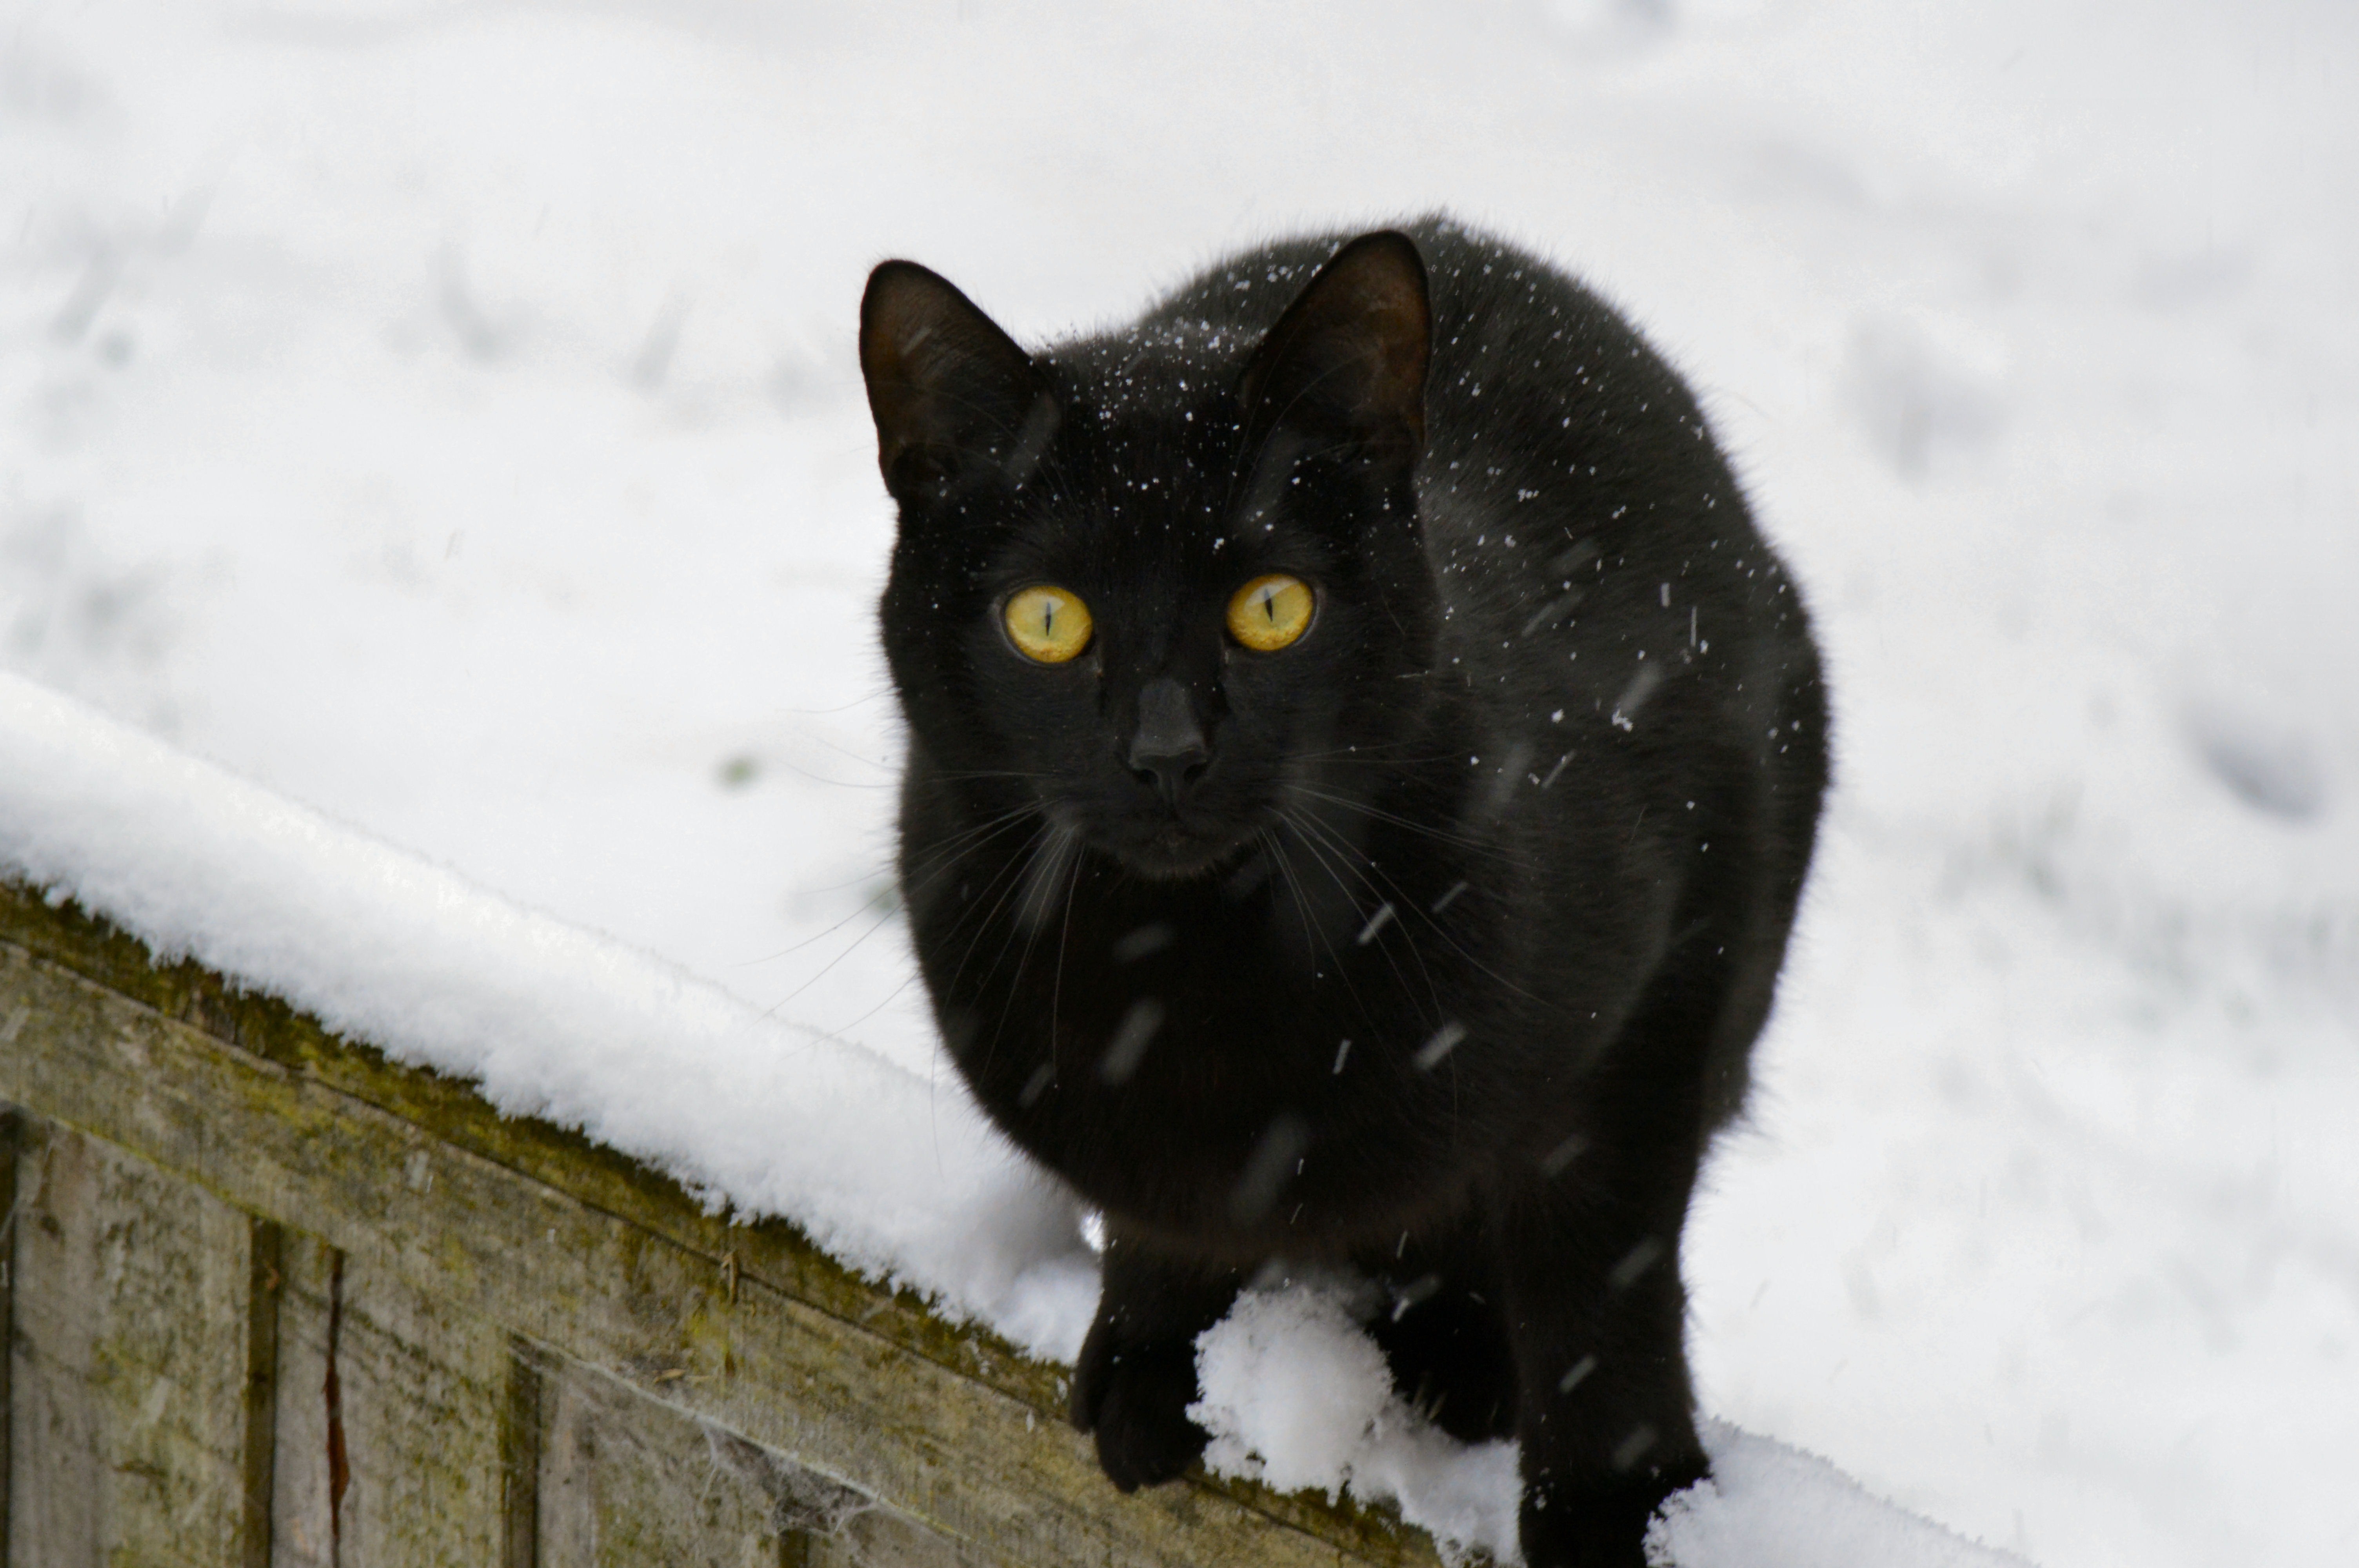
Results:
x,y
275,1299
360,1217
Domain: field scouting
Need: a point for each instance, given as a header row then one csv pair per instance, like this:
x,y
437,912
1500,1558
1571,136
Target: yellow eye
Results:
x,y
1270,612
1047,625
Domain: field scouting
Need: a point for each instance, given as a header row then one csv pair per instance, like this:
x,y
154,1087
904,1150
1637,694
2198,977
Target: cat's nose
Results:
x,y
1168,750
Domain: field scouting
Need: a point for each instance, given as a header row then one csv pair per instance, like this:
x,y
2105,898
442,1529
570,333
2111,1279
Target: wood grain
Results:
x,y
537,1341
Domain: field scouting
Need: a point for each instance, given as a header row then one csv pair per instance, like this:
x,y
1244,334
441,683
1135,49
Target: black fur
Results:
x,y
1523,818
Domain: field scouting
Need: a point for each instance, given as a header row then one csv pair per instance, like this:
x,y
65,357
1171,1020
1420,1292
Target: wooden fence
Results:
x,y
272,1300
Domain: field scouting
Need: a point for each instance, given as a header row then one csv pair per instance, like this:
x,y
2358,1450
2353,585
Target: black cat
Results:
x,y
1363,761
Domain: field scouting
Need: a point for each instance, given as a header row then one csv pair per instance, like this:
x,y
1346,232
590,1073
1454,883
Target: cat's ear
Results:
x,y
1348,359
952,394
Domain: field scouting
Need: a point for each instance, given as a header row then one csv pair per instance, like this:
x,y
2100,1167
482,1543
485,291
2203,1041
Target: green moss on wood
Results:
x,y
668,1293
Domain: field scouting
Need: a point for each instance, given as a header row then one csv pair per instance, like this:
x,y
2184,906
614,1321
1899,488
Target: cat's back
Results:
x,y
1631,650
1522,351
1547,417
1575,505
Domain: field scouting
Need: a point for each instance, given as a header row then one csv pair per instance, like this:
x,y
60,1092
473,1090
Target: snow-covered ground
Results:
x,y
445,415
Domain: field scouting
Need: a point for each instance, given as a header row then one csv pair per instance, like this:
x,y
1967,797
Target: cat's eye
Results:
x,y
1046,625
1270,612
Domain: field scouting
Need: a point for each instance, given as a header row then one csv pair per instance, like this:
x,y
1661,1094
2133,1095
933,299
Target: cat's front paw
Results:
x,y
1135,1398
1451,1359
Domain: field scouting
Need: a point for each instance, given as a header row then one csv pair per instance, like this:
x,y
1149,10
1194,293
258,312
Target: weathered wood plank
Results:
x,y
399,1457
302,1529
400,1465
127,1408
626,1481
265,1283
944,1426
520,1457
12,1140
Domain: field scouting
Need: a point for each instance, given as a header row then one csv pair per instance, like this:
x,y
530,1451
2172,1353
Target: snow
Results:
x,y
1297,1396
1768,1506
552,1020
444,419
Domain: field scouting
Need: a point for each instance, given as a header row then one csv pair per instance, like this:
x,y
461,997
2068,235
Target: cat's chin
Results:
x,y
1178,856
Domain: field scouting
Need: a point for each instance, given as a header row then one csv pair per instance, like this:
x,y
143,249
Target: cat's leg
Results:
x,y
1136,1375
1443,1329
1596,1315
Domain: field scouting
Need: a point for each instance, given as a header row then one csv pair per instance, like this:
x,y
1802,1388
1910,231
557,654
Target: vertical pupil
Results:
x,y
1269,605
1048,618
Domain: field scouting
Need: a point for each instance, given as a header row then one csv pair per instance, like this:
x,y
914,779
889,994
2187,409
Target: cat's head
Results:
x,y
1157,584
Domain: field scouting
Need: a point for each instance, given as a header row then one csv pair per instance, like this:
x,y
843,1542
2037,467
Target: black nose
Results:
x,y
1168,750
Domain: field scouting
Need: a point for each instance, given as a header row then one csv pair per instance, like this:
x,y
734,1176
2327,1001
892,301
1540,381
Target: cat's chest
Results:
x,y
1250,988
1172,1087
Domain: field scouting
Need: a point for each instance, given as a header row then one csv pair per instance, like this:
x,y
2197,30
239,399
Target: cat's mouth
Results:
x,y
1171,851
